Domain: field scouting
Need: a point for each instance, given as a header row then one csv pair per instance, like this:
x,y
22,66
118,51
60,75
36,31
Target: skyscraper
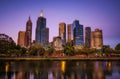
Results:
x,y
78,33
28,35
21,38
97,39
40,36
62,32
92,39
47,36
88,37
69,29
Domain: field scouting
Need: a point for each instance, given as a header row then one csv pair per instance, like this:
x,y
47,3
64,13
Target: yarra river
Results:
x,y
51,69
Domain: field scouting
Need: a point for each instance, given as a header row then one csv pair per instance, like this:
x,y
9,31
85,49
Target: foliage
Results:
x,y
107,50
117,47
50,50
5,46
36,50
69,49
11,49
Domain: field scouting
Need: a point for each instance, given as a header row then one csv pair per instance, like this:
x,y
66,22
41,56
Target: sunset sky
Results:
x,y
102,14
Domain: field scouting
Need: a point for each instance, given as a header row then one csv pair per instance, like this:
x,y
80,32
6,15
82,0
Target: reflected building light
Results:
x,y
36,71
31,75
98,72
77,63
100,75
20,75
50,75
63,66
7,68
109,66
13,76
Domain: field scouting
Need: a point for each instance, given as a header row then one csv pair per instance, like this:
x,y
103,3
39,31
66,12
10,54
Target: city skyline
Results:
x,y
95,14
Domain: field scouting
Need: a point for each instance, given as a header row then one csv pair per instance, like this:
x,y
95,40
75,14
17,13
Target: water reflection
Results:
x,y
59,69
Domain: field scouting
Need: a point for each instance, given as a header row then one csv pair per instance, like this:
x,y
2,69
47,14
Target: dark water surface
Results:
x,y
59,69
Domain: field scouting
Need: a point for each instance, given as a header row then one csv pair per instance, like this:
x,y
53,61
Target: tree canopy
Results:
x,y
117,47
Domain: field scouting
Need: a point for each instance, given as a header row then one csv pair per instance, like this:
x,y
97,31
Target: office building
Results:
x,y
69,33
47,36
78,33
28,36
97,39
41,33
88,37
21,38
62,32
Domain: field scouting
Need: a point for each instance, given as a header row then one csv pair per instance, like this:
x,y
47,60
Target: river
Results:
x,y
69,69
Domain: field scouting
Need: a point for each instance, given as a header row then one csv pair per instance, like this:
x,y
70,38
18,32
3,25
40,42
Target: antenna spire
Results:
x,y
29,17
41,13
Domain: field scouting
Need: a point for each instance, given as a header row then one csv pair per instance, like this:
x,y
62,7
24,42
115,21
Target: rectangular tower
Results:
x,y
97,39
87,37
21,38
47,36
69,32
62,32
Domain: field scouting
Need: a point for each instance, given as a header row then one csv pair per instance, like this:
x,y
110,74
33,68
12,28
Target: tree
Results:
x,y
50,50
36,50
117,47
32,50
68,49
23,51
7,47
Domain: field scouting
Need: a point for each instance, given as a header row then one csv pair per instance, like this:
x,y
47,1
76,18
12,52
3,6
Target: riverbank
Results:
x,y
62,58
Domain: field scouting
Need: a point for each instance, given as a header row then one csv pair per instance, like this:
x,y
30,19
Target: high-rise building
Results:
x,y
47,36
92,39
69,29
41,34
21,38
28,36
88,37
62,32
78,33
97,39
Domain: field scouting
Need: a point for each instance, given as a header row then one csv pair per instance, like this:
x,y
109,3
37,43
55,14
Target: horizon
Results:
x,y
95,14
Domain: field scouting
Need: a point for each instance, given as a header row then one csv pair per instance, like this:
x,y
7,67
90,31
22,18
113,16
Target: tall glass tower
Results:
x,y
78,33
40,36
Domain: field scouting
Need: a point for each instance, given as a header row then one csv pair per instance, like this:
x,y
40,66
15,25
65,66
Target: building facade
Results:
x,y
21,38
97,39
92,40
57,43
69,33
62,32
47,36
78,33
28,36
41,33
88,37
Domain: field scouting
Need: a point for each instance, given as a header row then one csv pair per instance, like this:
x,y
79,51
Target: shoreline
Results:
x,y
63,58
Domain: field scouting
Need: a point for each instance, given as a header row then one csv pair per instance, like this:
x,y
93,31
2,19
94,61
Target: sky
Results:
x,y
102,14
